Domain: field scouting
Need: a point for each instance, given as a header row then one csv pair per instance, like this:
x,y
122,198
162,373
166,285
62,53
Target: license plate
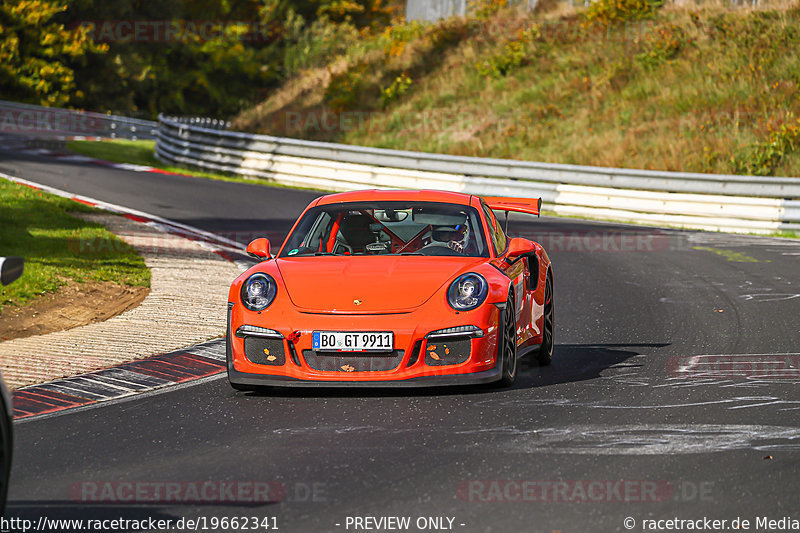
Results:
x,y
352,341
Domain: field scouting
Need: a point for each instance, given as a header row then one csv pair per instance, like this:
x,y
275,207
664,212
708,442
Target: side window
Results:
x,y
319,232
498,237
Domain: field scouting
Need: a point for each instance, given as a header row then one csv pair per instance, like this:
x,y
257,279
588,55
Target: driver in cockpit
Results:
x,y
455,237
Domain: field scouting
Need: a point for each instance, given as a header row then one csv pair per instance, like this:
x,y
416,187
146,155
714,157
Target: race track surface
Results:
x,y
672,395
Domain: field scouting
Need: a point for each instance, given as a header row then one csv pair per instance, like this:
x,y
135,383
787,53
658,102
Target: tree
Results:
x,y
37,54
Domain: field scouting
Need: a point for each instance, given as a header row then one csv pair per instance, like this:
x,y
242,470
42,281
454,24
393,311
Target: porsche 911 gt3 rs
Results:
x,y
392,288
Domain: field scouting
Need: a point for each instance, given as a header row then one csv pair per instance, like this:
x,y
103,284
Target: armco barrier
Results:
x,y
748,204
28,120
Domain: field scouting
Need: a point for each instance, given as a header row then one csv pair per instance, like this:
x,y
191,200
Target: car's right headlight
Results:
x,y
258,291
467,292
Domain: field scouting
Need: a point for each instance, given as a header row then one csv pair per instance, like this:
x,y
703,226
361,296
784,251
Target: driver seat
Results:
x,y
356,231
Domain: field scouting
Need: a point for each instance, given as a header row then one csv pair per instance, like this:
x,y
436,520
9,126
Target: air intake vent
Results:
x,y
264,351
447,353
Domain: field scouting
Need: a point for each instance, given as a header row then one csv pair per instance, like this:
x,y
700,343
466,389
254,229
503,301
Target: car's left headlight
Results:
x,y
467,292
258,291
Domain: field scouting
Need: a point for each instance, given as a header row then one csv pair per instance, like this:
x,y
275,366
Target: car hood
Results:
x,y
381,284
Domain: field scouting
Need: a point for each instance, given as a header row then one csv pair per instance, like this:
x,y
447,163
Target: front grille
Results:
x,y
353,361
447,352
264,351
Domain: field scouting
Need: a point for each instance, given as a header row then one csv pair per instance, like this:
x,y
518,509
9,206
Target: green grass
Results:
x,y
118,151
136,153
58,247
786,234
143,153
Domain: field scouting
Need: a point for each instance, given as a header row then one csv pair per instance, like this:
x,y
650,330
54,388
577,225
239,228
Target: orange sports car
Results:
x,y
392,288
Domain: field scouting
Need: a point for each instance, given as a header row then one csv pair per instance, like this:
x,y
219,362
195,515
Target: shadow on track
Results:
x,y
579,362
571,362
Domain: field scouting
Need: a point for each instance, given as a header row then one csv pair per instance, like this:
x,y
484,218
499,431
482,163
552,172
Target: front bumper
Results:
x,y
477,378
417,361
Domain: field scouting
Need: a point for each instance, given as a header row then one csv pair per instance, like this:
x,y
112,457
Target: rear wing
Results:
x,y
531,206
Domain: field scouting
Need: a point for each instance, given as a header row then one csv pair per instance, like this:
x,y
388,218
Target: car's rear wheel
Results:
x,y
545,355
507,345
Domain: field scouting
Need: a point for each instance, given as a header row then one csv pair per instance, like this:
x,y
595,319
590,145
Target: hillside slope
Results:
x,y
625,83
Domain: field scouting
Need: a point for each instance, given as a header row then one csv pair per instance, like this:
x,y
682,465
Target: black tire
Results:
x,y
545,354
6,436
507,345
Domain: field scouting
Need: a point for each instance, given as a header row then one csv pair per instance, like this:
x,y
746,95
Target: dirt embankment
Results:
x,y
73,305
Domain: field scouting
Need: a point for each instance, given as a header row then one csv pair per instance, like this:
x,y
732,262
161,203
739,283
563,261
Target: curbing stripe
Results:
x,y
209,353
81,382
177,368
32,402
134,377
66,387
130,379
125,379
130,383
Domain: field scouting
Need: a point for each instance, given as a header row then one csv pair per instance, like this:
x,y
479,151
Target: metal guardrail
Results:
x,y
704,201
203,122
49,122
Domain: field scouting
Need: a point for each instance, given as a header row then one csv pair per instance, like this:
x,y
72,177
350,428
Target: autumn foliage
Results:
x,y
193,57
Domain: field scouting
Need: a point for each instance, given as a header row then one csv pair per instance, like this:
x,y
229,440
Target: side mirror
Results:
x,y
518,248
259,249
10,269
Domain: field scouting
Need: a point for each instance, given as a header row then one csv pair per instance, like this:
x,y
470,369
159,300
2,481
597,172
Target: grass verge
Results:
x,y
143,153
58,247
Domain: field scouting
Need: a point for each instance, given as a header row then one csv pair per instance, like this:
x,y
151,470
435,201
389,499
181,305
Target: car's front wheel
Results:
x,y
507,345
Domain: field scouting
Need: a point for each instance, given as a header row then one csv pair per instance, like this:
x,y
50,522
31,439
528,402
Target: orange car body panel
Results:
x,y
406,295
532,206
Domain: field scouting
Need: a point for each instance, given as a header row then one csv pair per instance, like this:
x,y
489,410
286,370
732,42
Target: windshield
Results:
x,y
388,228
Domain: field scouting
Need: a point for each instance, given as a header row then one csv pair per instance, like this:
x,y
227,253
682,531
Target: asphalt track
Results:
x,y
672,395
